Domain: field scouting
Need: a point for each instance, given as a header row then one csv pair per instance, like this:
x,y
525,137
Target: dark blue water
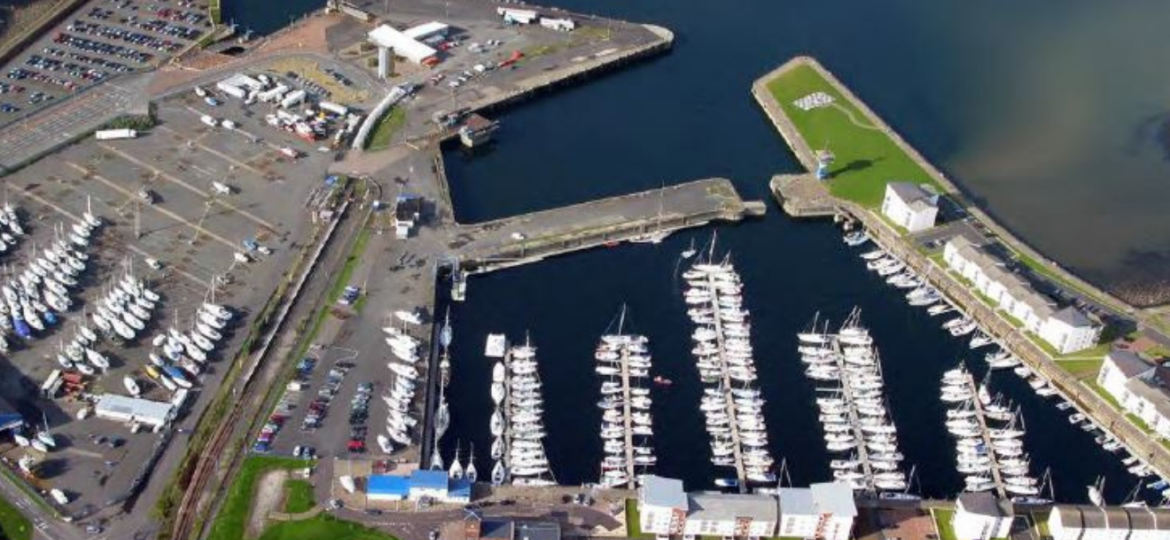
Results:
x,y
1043,115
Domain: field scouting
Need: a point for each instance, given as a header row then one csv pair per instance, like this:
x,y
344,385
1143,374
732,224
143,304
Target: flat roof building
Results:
x,y
130,410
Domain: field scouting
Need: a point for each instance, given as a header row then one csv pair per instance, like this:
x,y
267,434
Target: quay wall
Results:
x,y
808,158
1084,399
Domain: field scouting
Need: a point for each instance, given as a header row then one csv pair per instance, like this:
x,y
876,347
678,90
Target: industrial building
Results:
x,y
981,516
1067,330
391,41
132,410
910,206
431,485
407,215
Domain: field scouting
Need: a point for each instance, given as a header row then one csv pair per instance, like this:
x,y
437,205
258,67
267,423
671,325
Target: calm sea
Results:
x,y
1051,118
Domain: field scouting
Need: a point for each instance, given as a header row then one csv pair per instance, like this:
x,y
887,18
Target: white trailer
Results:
x,y
232,90
560,25
335,108
115,134
517,16
295,97
274,94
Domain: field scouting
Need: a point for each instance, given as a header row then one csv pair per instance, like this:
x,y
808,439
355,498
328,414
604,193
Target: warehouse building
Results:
x,y
132,410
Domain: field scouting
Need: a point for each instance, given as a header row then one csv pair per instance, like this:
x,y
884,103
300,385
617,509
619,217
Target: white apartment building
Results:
x,y
731,515
1067,330
910,206
662,506
823,511
981,516
1140,387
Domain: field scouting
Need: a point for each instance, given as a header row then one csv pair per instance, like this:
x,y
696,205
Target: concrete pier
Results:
x,y
531,237
802,196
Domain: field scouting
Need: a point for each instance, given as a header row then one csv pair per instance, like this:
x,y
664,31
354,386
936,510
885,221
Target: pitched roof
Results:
x,y
797,501
912,194
1093,516
1152,392
713,506
1070,516
983,504
538,530
1129,364
663,492
834,498
1141,519
1116,518
428,479
1073,317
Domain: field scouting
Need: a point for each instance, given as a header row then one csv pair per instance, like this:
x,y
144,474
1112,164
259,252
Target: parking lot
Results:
x,y
101,40
196,234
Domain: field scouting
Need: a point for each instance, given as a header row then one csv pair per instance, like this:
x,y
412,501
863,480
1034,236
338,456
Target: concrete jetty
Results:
x,y
531,237
803,196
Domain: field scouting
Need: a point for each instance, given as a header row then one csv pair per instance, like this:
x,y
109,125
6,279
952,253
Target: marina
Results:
x,y
516,422
853,409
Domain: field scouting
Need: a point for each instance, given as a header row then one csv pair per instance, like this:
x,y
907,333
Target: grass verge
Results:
x,y
633,524
298,496
13,524
1081,369
942,521
231,522
386,128
866,158
321,527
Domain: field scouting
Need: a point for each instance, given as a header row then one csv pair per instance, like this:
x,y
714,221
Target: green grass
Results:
x,y
1081,369
351,262
633,523
13,524
321,527
298,496
1041,522
385,129
942,520
231,521
865,159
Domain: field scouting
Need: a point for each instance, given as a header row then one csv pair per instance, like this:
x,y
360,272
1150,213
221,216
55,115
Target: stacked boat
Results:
x,y
10,229
126,309
988,437
527,463
34,299
723,354
400,423
180,357
623,360
852,406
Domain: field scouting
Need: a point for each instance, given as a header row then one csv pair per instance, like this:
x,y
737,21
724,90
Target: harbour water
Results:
x,y
974,87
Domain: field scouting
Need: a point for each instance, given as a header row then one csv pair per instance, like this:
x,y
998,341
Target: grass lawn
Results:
x,y
1041,521
232,519
942,520
321,527
351,262
298,496
1081,369
633,525
13,524
865,158
384,131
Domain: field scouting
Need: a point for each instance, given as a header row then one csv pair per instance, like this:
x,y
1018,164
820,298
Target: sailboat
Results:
x,y
499,474
470,473
690,251
456,470
659,234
